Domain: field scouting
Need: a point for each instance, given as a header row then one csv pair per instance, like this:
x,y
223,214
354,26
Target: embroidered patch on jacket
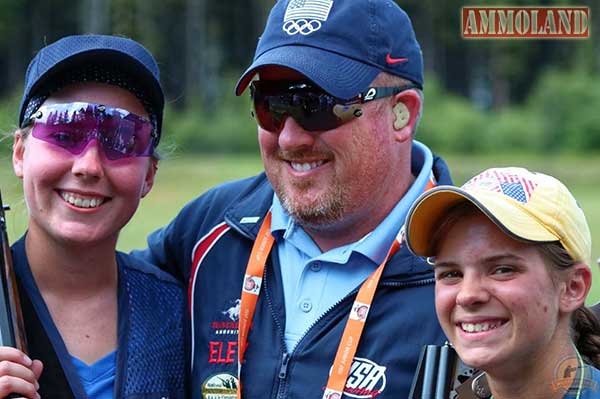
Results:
x,y
220,386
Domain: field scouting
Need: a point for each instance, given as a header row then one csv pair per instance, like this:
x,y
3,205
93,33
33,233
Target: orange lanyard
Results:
x,y
354,326
250,290
353,330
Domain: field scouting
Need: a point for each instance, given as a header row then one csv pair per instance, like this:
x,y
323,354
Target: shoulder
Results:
x,y
235,189
214,203
139,266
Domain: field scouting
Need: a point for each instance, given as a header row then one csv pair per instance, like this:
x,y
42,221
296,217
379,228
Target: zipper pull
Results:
x,y
284,365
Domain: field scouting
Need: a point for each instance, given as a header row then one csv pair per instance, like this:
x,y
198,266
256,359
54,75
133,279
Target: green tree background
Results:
x,y
486,95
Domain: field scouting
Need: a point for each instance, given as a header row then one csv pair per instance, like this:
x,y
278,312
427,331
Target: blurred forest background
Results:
x,y
486,95
533,103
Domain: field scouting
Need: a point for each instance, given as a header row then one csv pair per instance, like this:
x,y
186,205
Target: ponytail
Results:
x,y
586,335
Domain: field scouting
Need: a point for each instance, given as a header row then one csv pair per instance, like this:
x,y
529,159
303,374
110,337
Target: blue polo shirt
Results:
x,y
314,281
98,379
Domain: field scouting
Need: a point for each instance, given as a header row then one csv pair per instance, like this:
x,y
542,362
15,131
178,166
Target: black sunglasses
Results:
x,y
311,107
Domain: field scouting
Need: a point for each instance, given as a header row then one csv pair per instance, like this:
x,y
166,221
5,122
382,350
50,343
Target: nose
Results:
x,y
472,292
89,164
293,136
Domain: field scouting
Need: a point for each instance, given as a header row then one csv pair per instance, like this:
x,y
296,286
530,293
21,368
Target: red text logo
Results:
x,y
525,22
222,352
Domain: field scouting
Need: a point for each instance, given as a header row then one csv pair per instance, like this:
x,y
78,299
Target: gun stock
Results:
x,y
12,330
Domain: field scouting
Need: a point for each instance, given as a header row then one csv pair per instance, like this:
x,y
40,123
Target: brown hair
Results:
x,y
585,326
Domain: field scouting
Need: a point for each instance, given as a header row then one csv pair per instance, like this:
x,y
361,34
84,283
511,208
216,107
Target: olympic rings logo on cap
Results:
x,y
302,26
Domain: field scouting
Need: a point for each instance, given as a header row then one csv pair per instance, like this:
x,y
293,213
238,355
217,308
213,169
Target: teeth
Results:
x,y
478,327
81,202
306,166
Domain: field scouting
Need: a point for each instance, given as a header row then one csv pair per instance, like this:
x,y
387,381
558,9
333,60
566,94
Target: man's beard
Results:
x,y
326,210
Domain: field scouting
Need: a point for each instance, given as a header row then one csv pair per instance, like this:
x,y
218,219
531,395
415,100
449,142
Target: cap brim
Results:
x,y
340,76
428,212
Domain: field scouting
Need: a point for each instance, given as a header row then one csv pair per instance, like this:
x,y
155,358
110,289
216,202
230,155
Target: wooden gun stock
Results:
x,y
12,330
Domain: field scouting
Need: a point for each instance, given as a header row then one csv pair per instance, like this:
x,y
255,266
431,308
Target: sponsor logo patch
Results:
x,y
365,380
220,386
231,325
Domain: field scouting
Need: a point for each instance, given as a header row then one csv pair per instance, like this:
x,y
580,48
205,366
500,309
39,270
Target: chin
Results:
x,y
481,358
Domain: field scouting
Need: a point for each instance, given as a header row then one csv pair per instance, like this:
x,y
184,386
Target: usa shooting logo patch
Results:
x,y
305,16
366,380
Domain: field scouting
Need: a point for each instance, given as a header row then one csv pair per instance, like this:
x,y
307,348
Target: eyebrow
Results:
x,y
508,256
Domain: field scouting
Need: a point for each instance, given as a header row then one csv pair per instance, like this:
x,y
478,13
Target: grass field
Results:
x,y
182,178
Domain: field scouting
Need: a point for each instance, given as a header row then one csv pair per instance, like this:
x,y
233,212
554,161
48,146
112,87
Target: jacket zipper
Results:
x,y
286,357
283,368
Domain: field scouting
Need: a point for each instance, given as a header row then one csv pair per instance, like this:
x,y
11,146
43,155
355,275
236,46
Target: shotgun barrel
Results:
x,y
12,331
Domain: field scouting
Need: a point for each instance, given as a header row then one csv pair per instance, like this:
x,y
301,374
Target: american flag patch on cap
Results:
x,y
308,9
512,182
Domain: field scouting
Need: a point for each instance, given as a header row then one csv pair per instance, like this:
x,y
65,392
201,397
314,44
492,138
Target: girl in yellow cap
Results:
x,y
511,250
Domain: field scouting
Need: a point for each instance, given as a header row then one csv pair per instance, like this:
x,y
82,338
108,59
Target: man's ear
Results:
x,y
18,154
149,180
406,112
577,286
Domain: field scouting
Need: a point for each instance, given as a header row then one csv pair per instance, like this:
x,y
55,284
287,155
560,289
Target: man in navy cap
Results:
x,y
299,285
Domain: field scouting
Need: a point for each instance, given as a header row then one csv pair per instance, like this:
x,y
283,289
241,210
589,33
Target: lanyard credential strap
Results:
x,y
251,288
353,331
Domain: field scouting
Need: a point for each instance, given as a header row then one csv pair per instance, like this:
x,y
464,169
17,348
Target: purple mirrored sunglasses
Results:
x,y
72,126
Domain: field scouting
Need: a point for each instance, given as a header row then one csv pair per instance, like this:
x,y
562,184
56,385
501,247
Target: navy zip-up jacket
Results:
x,y
210,241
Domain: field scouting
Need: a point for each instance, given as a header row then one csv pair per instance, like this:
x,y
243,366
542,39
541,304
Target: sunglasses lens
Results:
x,y
72,126
126,137
70,137
267,119
310,107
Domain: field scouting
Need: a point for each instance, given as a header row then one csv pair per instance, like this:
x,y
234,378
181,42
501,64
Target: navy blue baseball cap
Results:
x,y
341,45
109,59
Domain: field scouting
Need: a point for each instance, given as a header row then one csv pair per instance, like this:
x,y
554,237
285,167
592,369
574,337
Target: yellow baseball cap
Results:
x,y
527,206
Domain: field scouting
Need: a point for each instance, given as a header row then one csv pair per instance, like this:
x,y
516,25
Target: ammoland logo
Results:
x,y
525,22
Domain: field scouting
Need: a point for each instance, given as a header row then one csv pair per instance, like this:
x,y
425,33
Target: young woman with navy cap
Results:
x,y
99,324
511,253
